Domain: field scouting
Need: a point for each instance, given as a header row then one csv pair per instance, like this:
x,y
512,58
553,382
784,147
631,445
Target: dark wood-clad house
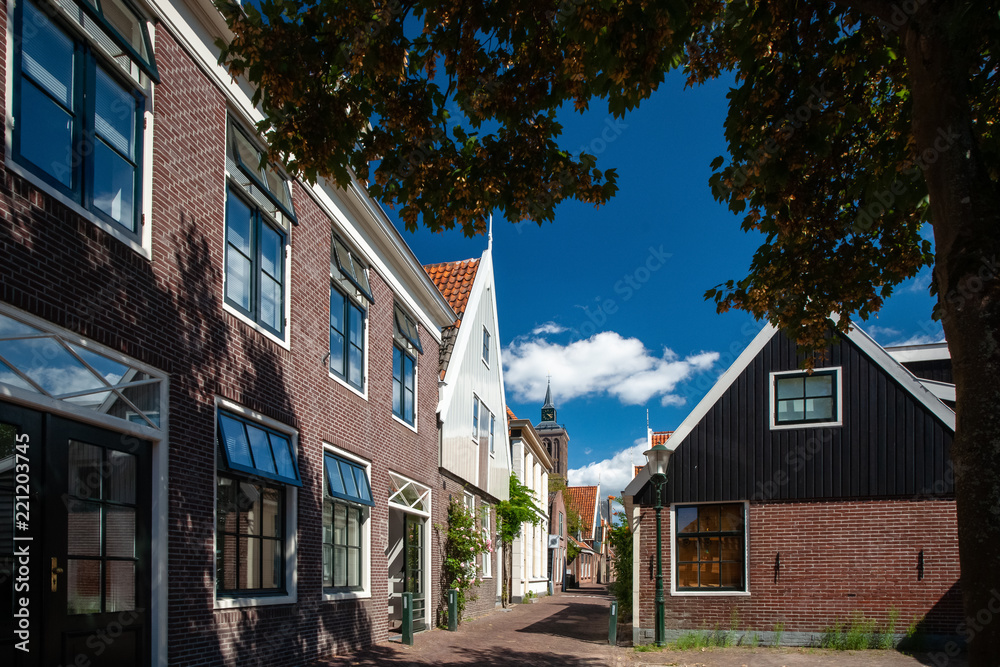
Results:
x,y
795,501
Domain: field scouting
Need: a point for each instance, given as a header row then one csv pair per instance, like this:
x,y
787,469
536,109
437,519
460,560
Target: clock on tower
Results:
x,y
548,414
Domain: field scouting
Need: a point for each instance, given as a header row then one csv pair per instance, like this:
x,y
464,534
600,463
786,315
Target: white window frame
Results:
x,y
673,552
366,533
839,396
144,247
492,435
487,346
477,426
291,514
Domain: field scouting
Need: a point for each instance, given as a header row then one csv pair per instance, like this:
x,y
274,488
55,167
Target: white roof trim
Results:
x,y
932,352
856,335
943,390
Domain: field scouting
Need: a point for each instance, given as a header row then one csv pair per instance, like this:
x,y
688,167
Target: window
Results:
x,y
475,417
347,338
487,570
347,498
710,548
257,465
406,344
560,523
79,105
258,212
486,346
349,292
493,421
802,398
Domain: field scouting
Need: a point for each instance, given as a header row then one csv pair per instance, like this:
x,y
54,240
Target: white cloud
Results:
x,y
918,284
881,333
613,474
606,364
918,339
548,328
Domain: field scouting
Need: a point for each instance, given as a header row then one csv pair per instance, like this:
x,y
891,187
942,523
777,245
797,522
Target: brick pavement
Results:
x,y
571,630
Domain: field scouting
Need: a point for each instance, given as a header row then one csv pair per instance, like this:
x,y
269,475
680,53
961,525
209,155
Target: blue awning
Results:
x,y
347,480
251,448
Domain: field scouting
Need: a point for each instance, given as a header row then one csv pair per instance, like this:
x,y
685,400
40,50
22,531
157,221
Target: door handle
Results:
x,y
56,571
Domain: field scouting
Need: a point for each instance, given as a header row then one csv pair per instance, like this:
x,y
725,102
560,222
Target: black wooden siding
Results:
x,y
938,370
889,444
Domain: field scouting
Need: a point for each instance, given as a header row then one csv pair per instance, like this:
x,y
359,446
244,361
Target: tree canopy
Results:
x,y
852,123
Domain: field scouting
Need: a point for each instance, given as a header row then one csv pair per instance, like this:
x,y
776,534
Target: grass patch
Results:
x,y
779,630
860,633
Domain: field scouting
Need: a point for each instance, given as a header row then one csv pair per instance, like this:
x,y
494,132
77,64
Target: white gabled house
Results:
x,y
474,453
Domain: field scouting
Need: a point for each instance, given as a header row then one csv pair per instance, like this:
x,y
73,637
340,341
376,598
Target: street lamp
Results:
x,y
656,460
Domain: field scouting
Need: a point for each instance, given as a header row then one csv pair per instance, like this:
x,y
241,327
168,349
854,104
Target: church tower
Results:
x,y
554,437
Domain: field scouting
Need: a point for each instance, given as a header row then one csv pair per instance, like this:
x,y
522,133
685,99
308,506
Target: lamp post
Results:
x,y
657,458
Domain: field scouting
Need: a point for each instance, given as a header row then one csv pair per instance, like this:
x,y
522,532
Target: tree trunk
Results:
x,y
965,211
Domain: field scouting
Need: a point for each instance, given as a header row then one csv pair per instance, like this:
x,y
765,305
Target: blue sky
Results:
x,y
610,300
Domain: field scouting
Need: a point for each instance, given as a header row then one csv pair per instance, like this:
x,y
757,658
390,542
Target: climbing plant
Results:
x,y
464,543
511,515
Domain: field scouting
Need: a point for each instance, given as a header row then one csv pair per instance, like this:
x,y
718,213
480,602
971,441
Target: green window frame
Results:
x,y
404,378
255,263
78,120
250,537
346,501
710,547
347,338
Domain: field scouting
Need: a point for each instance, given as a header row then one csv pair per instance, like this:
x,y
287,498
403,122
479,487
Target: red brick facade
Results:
x,y
812,564
168,313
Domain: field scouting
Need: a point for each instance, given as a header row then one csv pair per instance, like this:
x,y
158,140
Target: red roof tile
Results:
x,y
583,499
454,280
661,437
510,414
637,469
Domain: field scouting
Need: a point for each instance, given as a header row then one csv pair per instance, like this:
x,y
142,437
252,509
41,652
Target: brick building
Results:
x,y
798,500
221,384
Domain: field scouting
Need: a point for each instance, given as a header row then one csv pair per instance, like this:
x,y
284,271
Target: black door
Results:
x,y
87,542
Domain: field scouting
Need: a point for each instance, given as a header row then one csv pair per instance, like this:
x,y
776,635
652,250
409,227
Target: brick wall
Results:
x,y
836,558
168,313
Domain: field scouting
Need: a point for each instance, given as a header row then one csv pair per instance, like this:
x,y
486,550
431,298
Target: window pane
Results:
x,y
397,374
249,563
353,528
819,385
687,520
85,478
46,133
732,517
327,565
361,477
336,352
333,476
261,448
337,310
408,408
227,567
819,408
709,548
354,568
339,566
271,513
354,375
687,576
235,441
357,326
47,57
271,306
120,586
732,548
340,524
709,575
350,486
271,564
789,387
278,187
114,186
114,115
249,505
687,549
126,24
238,278
732,575
281,447
83,586
271,250
83,528
791,411
708,518
120,480
239,222
225,510
248,154
120,540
